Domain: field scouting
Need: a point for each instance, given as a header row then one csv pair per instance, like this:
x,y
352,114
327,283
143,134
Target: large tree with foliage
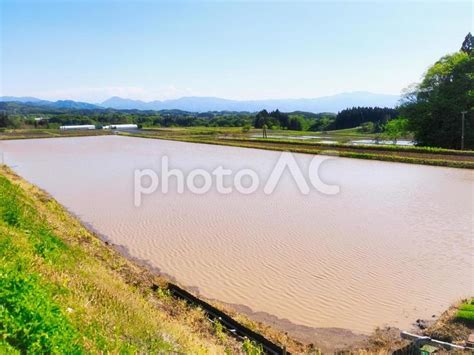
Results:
x,y
396,128
7,121
434,106
3,119
272,119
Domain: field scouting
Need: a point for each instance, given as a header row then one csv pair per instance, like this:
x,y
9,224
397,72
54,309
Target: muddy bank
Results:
x,y
327,340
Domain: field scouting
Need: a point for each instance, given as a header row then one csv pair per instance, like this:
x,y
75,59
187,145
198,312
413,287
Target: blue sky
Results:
x,y
91,50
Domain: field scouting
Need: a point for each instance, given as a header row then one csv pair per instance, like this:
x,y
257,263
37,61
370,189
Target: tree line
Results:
x,y
357,116
435,111
435,108
14,115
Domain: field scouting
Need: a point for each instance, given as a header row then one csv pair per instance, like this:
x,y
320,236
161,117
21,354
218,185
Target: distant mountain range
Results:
x,y
332,103
55,104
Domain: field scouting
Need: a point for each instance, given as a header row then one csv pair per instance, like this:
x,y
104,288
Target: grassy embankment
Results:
x,y
286,141
63,290
6,134
235,137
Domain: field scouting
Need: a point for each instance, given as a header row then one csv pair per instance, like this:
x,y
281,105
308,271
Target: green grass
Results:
x,y
340,150
465,312
196,130
251,348
10,134
393,148
30,319
340,136
62,291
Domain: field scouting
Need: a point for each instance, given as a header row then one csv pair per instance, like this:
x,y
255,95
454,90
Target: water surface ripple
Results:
x,y
395,245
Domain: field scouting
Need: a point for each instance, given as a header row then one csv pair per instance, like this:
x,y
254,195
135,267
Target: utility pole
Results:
x,y
463,113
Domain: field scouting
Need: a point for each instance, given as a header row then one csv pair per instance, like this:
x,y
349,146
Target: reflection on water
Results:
x,y
318,139
285,137
395,245
401,142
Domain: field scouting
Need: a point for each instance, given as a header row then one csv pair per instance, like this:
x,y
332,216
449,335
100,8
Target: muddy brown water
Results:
x,y
396,243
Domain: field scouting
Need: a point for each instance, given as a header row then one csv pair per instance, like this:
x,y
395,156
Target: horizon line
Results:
x,y
194,96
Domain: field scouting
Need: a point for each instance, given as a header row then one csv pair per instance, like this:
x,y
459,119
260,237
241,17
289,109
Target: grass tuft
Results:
x,y
465,312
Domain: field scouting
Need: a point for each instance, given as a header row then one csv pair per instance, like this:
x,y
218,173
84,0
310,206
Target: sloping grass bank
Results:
x,y
9,134
464,160
366,147
62,290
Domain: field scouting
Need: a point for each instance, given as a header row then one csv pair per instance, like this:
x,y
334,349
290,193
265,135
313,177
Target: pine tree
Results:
x,y
467,44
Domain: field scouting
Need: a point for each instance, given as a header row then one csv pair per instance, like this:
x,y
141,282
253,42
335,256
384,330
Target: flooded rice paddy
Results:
x,y
394,245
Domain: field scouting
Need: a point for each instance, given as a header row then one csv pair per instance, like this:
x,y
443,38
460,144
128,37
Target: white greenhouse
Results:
x,y
77,127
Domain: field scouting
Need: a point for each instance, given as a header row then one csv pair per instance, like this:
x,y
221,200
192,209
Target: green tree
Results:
x,y
3,119
326,123
7,121
295,124
262,118
397,128
468,44
367,127
281,119
434,106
